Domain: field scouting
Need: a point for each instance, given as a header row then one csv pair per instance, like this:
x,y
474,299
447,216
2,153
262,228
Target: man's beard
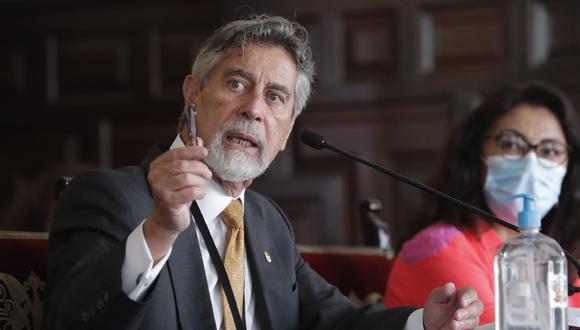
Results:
x,y
236,165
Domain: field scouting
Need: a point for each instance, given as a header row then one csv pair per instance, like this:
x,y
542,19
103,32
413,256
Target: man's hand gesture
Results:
x,y
449,308
176,179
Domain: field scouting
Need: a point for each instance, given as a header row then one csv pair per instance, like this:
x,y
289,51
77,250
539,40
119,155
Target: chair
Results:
x,y
358,272
61,183
23,268
375,231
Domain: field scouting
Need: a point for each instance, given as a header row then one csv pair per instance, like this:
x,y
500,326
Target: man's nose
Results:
x,y
253,107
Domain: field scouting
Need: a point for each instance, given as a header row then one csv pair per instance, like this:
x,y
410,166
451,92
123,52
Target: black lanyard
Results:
x,y
218,263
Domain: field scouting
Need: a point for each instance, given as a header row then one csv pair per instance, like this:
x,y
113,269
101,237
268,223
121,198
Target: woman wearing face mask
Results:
x,y
520,140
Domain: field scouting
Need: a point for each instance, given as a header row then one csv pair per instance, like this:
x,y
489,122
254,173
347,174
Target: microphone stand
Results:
x,y
316,141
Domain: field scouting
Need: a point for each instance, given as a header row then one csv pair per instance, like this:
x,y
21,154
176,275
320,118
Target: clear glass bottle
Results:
x,y
531,278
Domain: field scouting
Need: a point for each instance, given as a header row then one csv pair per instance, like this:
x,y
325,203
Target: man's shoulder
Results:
x,y
256,197
120,176
101,194
262,202
267,208
127,181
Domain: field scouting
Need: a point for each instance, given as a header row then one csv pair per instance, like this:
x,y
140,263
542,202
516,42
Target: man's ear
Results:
x,y
190,89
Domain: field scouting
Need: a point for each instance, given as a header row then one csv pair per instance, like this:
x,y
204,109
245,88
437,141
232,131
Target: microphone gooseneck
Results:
x,y
318,142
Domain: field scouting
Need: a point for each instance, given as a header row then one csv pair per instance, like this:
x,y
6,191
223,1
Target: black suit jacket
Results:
x,y
97,212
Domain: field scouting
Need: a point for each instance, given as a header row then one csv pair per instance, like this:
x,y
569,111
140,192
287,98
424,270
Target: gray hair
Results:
x,y
270,30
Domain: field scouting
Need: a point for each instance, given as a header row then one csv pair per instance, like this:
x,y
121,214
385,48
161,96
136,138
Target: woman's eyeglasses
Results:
x,y
512,145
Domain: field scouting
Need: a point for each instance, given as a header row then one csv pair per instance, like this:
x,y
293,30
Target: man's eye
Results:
x,y
275,97
236,85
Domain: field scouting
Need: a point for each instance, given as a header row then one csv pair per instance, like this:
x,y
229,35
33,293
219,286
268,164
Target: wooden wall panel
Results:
x,y
565,27
21,68
559,26
468,39
370,45
13,70
172,53
130,141
316,204
89,67
408,138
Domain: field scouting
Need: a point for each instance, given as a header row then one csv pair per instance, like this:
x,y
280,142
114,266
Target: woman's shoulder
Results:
x,y
430,241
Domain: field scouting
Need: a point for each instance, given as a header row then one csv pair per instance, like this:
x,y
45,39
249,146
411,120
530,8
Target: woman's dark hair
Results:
x,y
461,172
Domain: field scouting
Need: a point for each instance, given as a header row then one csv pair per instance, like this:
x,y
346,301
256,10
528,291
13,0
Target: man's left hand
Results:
x,y
448,308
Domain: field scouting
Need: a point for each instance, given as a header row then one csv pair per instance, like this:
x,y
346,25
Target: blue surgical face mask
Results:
x,y
506,178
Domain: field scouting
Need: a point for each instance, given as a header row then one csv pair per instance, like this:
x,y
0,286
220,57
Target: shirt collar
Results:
x,y
215,200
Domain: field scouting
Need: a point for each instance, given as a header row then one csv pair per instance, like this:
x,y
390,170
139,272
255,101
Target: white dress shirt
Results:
x,y
138,271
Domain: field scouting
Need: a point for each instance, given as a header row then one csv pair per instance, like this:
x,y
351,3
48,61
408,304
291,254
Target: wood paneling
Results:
x,y
370,45
561,28
89,67
130,142
408,137
172,53
316,204
94,85
14,70
21,68
75,90
565,27
468,39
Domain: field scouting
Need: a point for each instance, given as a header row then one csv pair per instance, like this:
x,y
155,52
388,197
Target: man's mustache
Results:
x,y
246,127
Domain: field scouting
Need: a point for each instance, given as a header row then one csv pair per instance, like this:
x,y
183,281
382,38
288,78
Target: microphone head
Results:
x,y
312,139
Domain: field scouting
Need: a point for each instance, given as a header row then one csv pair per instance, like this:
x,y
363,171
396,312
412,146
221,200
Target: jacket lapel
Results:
x,y
189,282
187,273
269,293
155,151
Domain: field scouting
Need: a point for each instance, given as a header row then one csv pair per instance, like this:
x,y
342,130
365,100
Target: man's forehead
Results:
x,y
233,63
240,51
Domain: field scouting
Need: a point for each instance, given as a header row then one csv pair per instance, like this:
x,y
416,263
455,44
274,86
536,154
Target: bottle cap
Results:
x,y
528,218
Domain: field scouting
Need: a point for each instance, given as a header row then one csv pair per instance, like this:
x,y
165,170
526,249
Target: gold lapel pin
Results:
x,y
267,256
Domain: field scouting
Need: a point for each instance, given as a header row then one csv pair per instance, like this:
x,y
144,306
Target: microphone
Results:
x,y
317,141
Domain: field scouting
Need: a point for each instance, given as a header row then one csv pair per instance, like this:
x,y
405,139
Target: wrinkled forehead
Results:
x,y
240,49
261,59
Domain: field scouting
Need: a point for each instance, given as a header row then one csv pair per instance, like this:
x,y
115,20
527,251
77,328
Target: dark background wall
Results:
x,y
94,84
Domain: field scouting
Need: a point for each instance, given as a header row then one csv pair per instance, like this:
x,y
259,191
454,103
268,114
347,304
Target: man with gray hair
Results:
x,y
180,242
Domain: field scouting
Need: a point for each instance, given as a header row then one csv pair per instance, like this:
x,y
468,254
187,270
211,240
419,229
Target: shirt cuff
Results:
x,y
415,320
138,271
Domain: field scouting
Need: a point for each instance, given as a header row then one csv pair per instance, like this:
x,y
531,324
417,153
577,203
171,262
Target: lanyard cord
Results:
x,y
218,263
